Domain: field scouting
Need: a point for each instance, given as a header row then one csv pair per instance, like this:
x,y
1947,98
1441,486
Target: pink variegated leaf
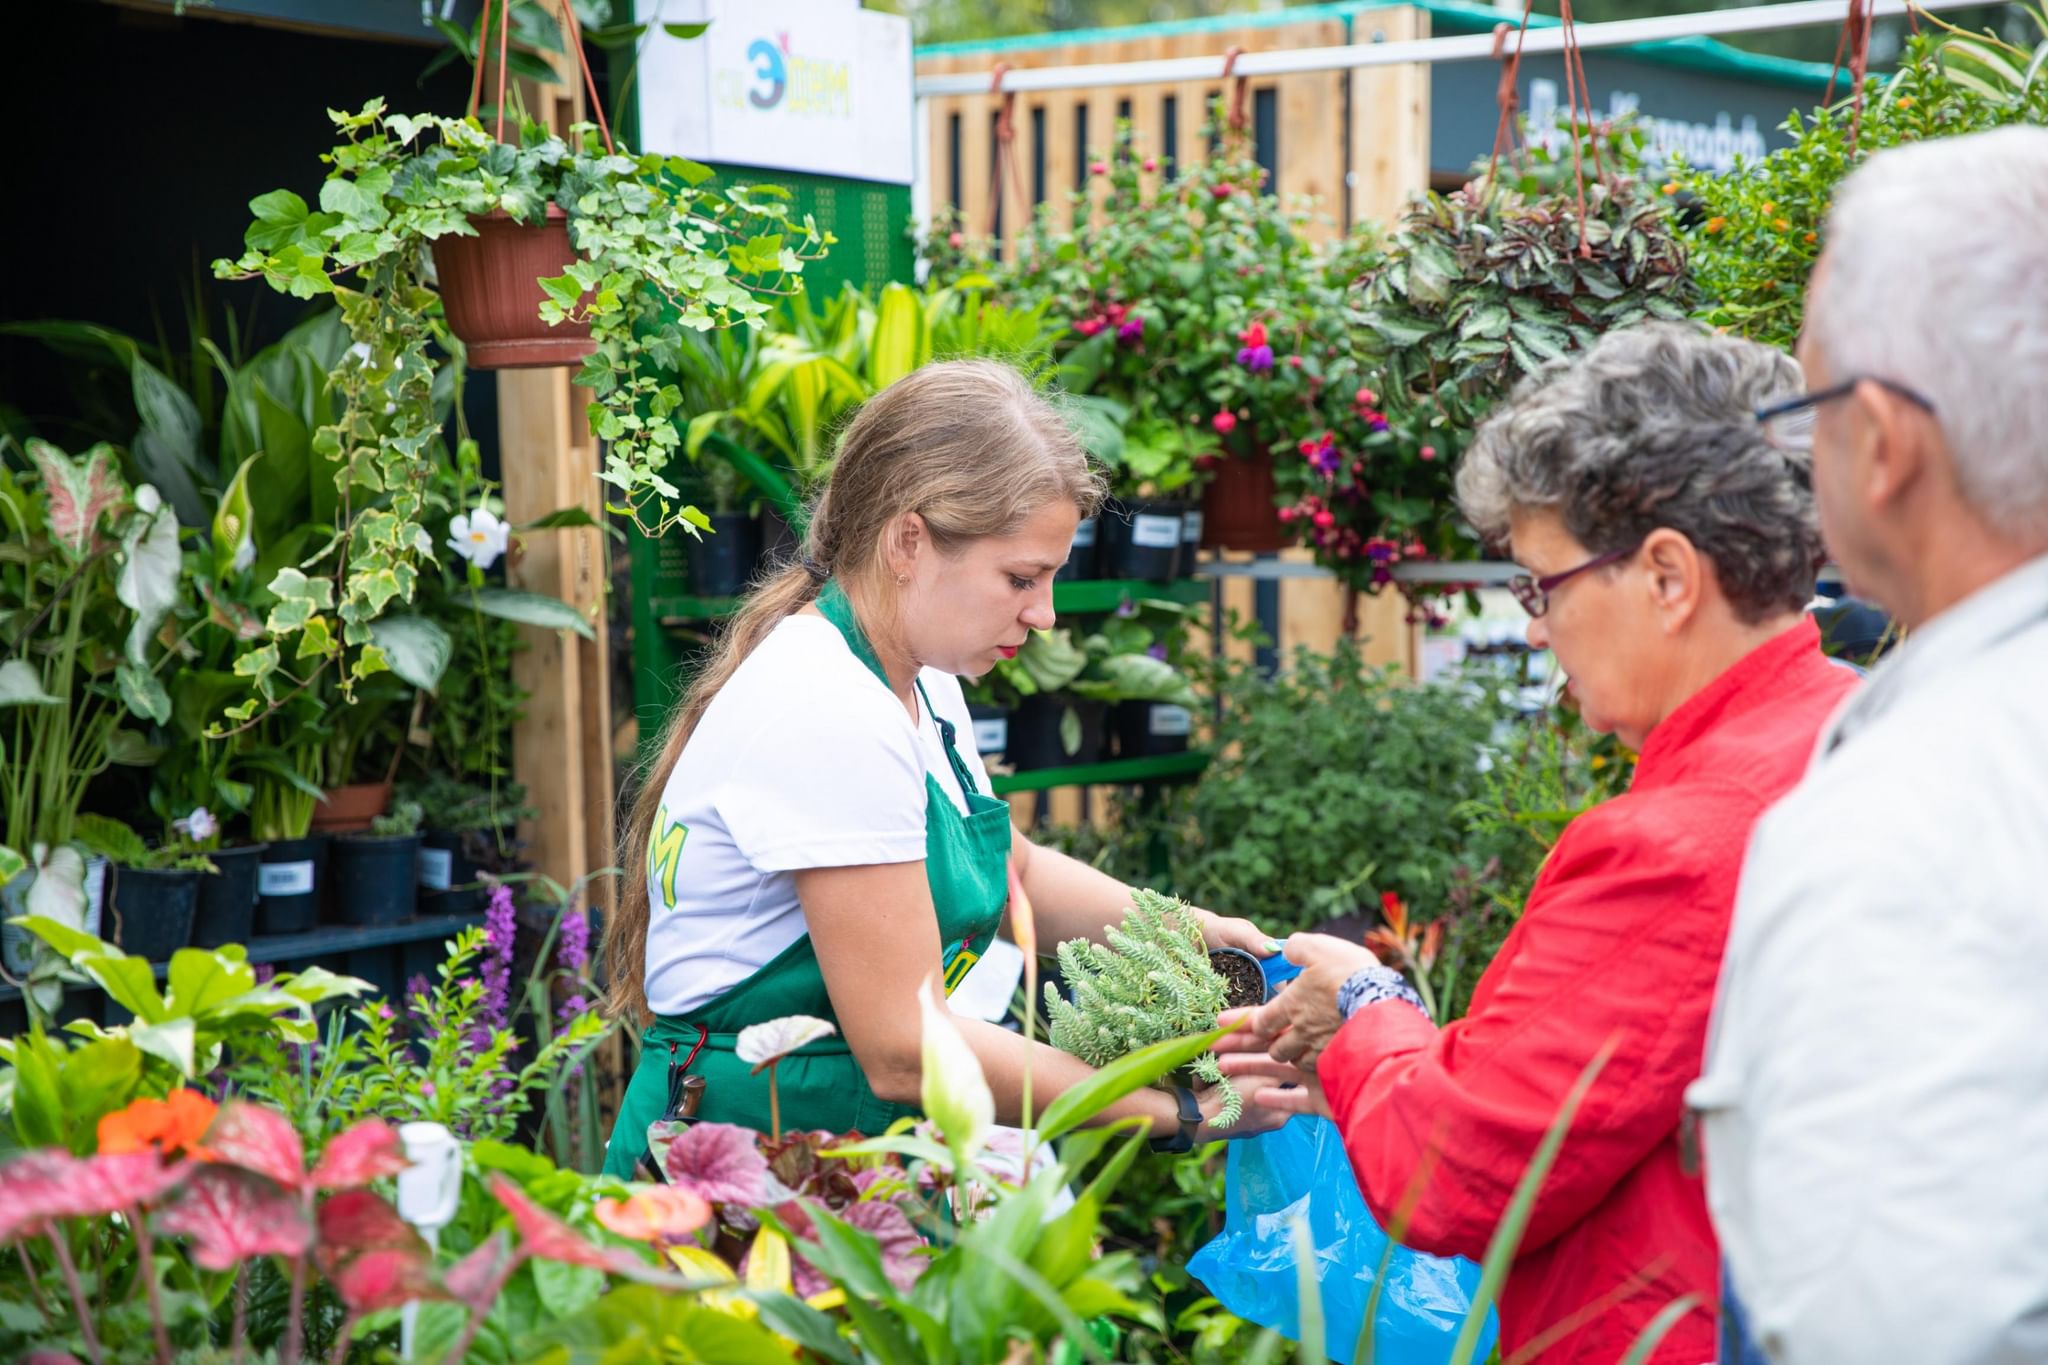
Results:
x,y
50,1358
476,1278
719,1163
80,493
903,1251
544,1235
387,1278
369,1151
357,1221
233,1215
259,1140
34,1188
129,1179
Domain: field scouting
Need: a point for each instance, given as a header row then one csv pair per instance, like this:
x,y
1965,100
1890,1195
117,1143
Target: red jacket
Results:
x,y
1621,939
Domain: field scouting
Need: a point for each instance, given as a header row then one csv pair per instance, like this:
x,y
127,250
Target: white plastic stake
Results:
x,y
428,1192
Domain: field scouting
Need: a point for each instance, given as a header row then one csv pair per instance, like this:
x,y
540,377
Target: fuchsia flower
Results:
x,y
1427,452
1221,191
1253,335
1257,359
1225,422
1131,329
1088,327
1098,168
956,240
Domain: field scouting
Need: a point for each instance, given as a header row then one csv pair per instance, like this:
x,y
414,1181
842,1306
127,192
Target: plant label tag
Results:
x,y
437,868
992,735
1191,528
284,879
1170,722
1084,534
1155,533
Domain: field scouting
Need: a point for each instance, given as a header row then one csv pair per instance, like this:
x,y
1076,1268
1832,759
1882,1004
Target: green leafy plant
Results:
x,y
658,253
404,818
1149,983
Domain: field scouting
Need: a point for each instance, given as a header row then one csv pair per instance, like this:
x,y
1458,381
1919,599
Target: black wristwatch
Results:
x,y
1190,1122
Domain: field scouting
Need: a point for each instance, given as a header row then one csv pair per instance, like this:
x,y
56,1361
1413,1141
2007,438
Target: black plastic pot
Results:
x,y
1190,535
289,884
151,910
1144,729
722,562
227,898
1083,558
1243,977
991,730
1142,540
373,878
1034,738
447,874
778,538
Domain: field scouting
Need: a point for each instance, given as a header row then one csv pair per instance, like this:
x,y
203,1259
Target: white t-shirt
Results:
x,y
803,759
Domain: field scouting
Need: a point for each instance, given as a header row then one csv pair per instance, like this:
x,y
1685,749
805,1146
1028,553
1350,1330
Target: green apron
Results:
x,y
822,1086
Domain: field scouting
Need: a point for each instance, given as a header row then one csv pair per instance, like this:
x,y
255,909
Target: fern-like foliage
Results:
x,y
1151,982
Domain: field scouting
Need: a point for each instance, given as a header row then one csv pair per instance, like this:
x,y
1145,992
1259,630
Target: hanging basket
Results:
x,y
490,289
1237,508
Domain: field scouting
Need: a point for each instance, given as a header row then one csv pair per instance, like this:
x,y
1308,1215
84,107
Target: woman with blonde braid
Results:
x,y
813,838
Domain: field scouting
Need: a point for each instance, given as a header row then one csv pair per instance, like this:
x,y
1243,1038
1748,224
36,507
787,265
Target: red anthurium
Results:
x,y
234,1215
259,1140
720,1164
654,1213
369,1151
387,1278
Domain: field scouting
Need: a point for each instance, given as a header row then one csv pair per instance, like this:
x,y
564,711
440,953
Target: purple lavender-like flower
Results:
x,y
1257,359
1126,609
264,972
1157,652
572,945
494,1011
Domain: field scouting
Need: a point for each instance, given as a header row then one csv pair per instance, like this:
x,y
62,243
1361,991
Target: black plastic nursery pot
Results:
x,y
1244,980
1142,540
1190,536
1085,554
227,898
373,878
448,875
1034,735
991,730
151,910
723,560
1146,729
290,883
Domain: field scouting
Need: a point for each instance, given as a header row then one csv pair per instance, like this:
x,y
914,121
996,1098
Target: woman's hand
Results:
x,y
1303,1093
1219,932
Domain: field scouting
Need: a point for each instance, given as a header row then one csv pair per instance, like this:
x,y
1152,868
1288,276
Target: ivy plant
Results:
x,y
658,250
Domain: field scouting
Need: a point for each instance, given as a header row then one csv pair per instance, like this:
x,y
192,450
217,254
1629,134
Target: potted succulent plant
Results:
x,y
373,877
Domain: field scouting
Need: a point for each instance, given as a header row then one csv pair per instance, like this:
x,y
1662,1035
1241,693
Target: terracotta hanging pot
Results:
x,y
490,289
344,809
1237,509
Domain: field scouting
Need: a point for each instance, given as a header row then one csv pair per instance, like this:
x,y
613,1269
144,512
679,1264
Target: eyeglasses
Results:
x,y
1534,593
1789,425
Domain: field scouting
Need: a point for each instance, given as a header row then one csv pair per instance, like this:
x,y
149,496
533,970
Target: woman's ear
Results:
x,y
1677,577
909,541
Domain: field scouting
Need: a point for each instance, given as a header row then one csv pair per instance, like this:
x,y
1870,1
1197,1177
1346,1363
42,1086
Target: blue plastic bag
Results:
x,y
1300,1170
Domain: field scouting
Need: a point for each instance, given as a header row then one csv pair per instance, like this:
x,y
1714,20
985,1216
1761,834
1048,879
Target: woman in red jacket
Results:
x,y
1670,553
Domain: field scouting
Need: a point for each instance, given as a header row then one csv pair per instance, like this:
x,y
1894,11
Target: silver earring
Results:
x,y
902,580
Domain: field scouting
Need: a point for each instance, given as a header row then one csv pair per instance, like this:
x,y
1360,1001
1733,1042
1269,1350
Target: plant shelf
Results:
x,y
1078,599
1111,772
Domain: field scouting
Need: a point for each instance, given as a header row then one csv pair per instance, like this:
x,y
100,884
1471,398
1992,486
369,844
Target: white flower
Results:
x,y
360,352
478,536
199,826
760,1044
954,1090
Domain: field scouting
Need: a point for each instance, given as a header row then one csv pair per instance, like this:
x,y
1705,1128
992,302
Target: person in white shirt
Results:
x,y
1874,1106
817,836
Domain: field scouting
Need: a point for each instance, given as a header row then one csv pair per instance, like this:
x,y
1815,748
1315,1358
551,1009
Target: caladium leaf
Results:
x,y
259,1140
233,1215
386,1278
358,1221
720,1163
760,1044
80,493
127,1180
477,1277
32,1190
369,1151
150,561
543,1234
653,1213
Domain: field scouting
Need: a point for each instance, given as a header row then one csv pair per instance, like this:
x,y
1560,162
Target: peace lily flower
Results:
x,y
954,1091
479,536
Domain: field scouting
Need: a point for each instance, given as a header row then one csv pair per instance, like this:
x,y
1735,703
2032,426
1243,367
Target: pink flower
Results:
x,y
1365,398
1131,329
1325,519
956,240
1088,327
1150,164
1220,191
1225,422
1254,335
1098,168
1427,452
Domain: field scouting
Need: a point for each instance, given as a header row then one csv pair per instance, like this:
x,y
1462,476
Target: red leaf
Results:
x,y
386,1278
369,1151
544,1235
259,1140
129,1180
719,1163
33,1190
233,1215
476,1278
359,1221
49,1358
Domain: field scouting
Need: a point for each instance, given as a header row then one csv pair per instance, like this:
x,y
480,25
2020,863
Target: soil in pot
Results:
x,y
490,290
448,875
1035,738
991,730
151,910
289,883
1141,540
1244,980
373,878
723,561
1145,729
1238,511
1083,558
345,810
227,898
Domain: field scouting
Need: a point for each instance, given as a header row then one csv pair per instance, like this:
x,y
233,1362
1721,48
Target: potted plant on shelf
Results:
x,y
373,876
1058,691
723,564
466,832
152,892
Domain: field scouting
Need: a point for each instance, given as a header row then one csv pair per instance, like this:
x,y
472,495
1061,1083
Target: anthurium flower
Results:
x,y
654,1213
479,536
172,1124
760,1044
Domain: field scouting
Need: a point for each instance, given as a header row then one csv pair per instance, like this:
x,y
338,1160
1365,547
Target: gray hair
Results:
x,y
1655,427
1937,277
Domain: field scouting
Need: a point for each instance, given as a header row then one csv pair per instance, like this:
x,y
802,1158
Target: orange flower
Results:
x,y
1811,238
654,1213
172,1124
1715,224
1671,187
1770,206
1905,101
1780,224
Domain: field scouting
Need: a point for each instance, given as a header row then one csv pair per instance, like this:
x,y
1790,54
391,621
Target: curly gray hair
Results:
x,y
1651,428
